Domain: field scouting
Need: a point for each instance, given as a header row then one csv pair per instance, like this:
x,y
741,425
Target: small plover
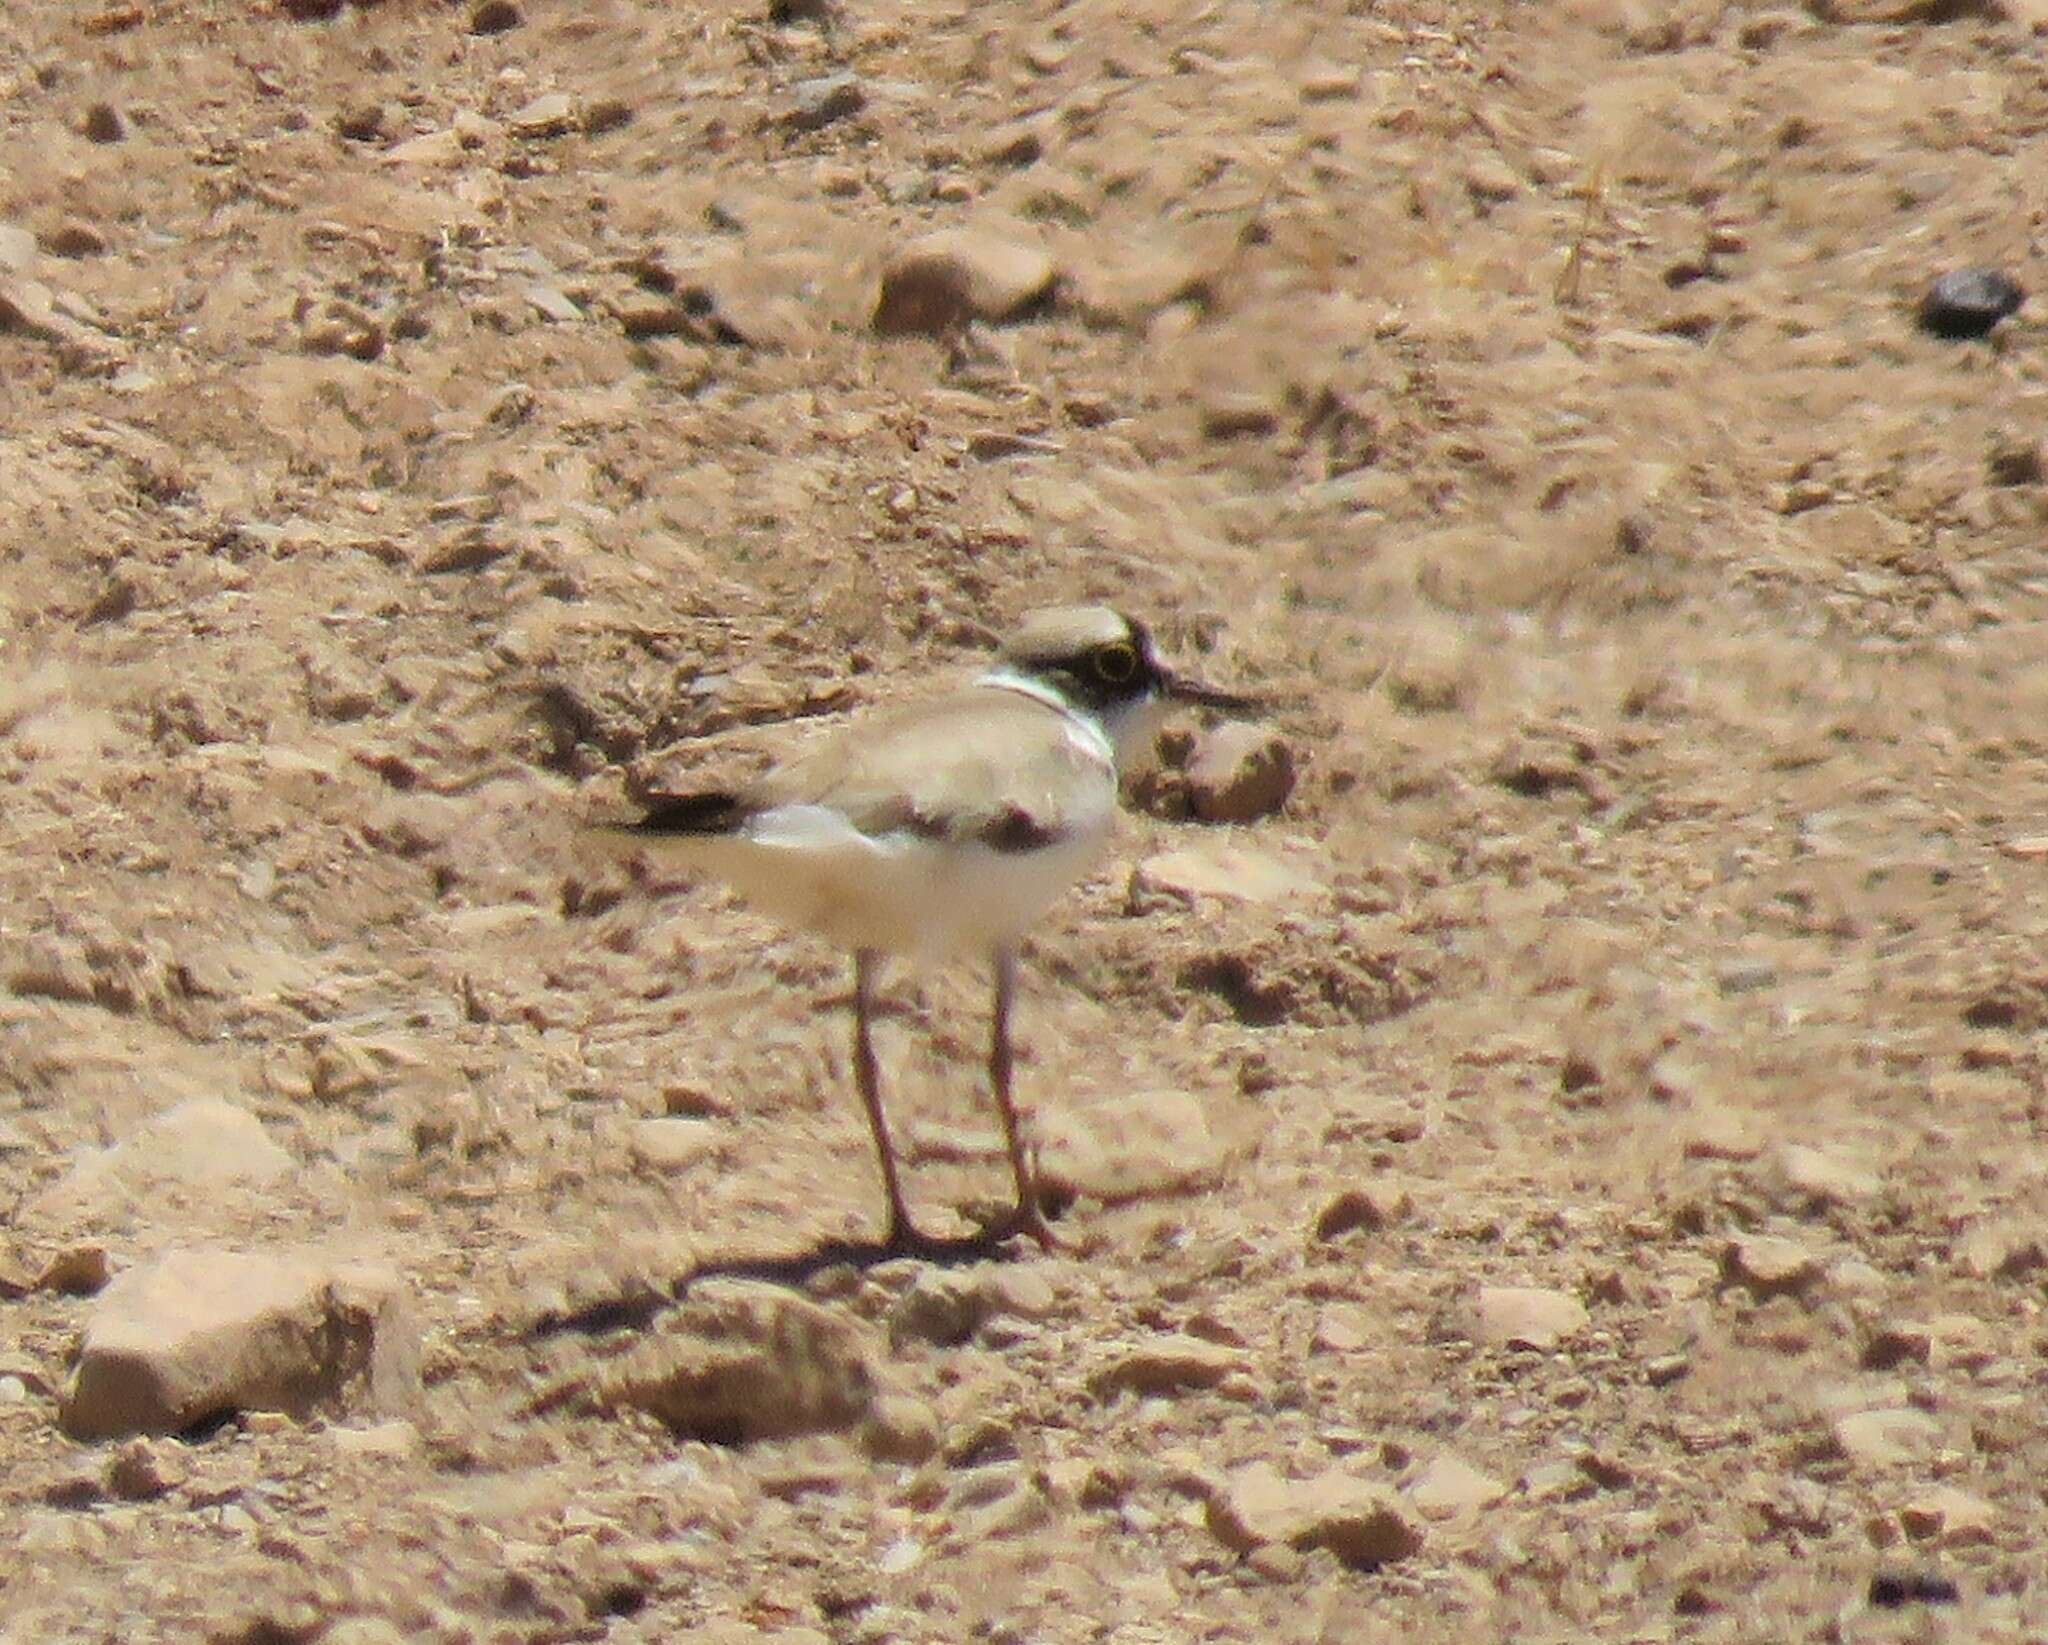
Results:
x,y
942,827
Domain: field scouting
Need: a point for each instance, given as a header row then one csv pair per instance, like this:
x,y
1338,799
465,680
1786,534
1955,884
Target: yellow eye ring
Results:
x,y
1116,664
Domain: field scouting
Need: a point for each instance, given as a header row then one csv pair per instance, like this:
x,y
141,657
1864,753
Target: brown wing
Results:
x,y
983,764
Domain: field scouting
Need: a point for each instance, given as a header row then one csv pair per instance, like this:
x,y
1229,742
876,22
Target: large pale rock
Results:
x,y
1363,1523
201,1332
943,280
741,1361
1221,868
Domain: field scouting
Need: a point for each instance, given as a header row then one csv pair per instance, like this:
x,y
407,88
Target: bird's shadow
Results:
x,y
638,1307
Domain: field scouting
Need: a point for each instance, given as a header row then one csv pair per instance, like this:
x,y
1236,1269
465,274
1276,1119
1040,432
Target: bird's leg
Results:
x,y
867,1075
1030,1218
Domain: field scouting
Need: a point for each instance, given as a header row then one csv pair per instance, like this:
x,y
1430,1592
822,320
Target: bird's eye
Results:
x,y
1116,664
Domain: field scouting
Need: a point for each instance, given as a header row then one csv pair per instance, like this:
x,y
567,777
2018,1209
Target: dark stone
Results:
x,y
1969,302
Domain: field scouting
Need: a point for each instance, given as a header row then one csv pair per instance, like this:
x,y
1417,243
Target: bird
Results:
x,y
942,827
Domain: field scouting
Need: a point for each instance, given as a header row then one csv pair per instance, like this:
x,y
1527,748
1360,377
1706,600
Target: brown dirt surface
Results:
x,y
1592,1186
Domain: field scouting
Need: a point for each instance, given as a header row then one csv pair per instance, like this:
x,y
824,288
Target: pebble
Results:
x,y
331,326
17,247
104,124
1968,302
1894,1590
740,1360
943,280
1364,1524
364,1630
145,1469
76,1271
1768,1267
667,1145
1520,1316
901,1429
200,1331
1166,1366
1218,867
1823,1180
364,123
1138,1146
1448,1486
75,238
495,17
1882,1438
1239,773
1949,1517
823,101
552,114
1372,1208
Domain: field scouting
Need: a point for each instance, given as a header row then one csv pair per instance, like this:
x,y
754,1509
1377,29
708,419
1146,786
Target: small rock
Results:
x,y
27,307
365,1630
550,115
1372,1208
2018,463
823,101
104,124
1324,82
1950,1517
17,247
365,123
1124,1148
1883,1438
1896,1345
1968,302
607,114
901,1429
495,17
740,1361
1449,1486
1364,1524
946,279
1240,414
1490,180
1239,773
396,1438
675,1144
942,1306
1893,1590
76,1271
1768,1267
1822,1180
1519,1316
199,1332
145,1469
78,1487
1015,145
1166,1366
331,326
1722,1134
75,238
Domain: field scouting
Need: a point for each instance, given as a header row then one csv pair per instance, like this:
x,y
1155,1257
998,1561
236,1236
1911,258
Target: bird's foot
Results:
x,y
1028,1218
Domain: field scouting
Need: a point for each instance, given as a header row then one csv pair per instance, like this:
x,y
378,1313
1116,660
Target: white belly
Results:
x,y
900,893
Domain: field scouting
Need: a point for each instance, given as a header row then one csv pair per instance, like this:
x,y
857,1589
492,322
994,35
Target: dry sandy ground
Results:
x,y
419,430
